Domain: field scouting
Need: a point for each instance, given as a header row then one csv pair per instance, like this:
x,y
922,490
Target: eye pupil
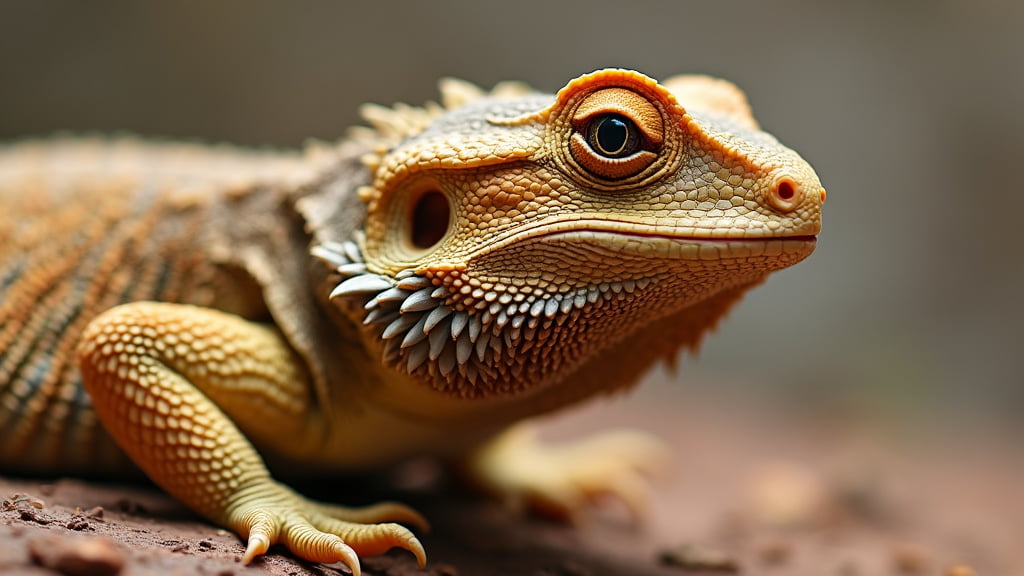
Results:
x,y
613,136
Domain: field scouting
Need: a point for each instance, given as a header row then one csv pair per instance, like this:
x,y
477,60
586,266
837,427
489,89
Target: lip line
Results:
x,y
641,234
544,231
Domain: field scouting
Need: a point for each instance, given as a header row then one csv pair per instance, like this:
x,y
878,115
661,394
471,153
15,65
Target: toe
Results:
x,y
374,539
260,530
309,543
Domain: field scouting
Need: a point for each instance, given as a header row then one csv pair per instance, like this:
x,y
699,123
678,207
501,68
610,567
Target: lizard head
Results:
x,y
510,238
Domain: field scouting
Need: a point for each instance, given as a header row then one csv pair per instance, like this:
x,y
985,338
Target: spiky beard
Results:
x,y
462,351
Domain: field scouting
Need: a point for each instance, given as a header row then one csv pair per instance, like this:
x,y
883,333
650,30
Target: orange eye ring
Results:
x,y
617,133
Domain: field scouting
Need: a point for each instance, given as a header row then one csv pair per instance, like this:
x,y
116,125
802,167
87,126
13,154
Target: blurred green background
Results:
x,y
911,111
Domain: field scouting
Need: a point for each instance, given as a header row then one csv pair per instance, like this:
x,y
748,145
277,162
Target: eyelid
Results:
x,y
624,102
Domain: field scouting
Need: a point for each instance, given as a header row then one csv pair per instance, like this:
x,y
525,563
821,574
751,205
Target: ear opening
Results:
x,y
430,219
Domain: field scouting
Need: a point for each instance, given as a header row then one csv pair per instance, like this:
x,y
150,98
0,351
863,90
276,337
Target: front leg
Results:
x,y
177,385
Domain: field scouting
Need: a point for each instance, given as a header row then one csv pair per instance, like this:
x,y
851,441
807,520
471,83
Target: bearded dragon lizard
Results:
x,y
204,313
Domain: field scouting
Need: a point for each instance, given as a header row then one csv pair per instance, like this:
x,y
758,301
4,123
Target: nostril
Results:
x,y
785,196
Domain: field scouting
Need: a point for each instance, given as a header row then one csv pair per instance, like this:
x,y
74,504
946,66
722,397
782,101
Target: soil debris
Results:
x,y
78,523
20,500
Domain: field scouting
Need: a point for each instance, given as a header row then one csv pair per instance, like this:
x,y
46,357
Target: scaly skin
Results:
x,y
416,289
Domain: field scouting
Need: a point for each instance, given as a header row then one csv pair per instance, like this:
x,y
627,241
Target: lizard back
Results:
x,y
91,223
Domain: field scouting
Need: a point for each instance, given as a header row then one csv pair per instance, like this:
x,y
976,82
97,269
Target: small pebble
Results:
x,y
570,568
908,559
696,558
77,557
775,552
847,568
787,494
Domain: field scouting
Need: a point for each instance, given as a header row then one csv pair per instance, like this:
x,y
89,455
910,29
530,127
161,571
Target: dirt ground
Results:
x,y
753,491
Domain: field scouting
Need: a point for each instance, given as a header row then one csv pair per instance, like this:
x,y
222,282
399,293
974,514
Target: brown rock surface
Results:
x,y
910,503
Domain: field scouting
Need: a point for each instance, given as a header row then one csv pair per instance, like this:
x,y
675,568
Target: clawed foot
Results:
x,y
271,514
560,480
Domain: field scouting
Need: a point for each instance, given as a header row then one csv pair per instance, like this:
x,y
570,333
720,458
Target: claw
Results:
x,y
262,531
257,546
349,558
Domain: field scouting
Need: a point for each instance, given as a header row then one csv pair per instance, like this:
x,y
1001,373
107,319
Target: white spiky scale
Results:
x,y
439,340
415,283
481,346
351,269
537,308
501,319
459,322
395,294
416,333
417,356
419,301
446,361
566,305
400,326
475,327
331,253
435,316
379,316
551,307
362,284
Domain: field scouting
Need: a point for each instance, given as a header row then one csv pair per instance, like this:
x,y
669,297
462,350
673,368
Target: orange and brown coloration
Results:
x,y
424,284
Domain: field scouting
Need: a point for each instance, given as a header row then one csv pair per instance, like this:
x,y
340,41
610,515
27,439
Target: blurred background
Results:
x,y
912,308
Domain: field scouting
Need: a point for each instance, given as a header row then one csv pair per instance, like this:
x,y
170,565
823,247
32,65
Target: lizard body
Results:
x,y
414,289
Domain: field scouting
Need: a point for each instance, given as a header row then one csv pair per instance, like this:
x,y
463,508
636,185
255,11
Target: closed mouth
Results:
x,y
660,241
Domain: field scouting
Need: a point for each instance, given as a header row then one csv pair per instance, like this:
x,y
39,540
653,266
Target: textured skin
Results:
x,y
415,289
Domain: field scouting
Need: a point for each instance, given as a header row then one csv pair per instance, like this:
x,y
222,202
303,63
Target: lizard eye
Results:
x,y
613,136
617,134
